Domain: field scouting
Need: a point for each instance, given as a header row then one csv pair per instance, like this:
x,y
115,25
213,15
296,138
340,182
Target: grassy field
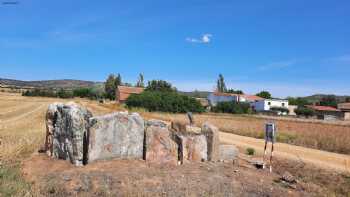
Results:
x,y
22,132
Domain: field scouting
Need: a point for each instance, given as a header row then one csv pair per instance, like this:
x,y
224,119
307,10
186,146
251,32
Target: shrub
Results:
x,y
160,85
250,151
164,102
65,94
232,107
280,109
303,111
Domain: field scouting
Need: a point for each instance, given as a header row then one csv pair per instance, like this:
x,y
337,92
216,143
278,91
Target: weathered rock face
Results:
x,y
158,123
212,135
51,114
192,147
67,132
117,135
159,146
193,129
228,153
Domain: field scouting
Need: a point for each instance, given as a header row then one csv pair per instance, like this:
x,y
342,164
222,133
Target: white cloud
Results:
x,y
277,65
206,38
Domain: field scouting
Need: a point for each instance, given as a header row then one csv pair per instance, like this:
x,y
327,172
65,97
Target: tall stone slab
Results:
x,y
67,132
159,146
117,135
212,135
192,147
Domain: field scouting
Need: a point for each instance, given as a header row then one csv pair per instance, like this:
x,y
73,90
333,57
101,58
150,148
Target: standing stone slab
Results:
x,y
67,132
159,147
117,135
51,114
192,148
212,135
228,153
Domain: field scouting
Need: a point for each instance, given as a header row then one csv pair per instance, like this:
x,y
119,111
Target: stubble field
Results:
x,y
22,132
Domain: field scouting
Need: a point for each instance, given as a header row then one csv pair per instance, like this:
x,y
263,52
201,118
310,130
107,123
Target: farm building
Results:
x,y
267,104
217,97
123,92
204,102
326,112
345,108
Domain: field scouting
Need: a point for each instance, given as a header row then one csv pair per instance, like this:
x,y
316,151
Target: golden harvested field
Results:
x,y
322,136
22,132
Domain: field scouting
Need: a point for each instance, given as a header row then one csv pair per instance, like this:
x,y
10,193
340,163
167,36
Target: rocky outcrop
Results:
x,y
159,147
73,134
67,132
117,135
212,135
192,147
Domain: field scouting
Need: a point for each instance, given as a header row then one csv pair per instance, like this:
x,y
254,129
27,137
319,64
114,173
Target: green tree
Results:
x,y
160,85
221,86
264,94
347,99
140,82
232,107
165,101
298,101
110,86
235,91
329,100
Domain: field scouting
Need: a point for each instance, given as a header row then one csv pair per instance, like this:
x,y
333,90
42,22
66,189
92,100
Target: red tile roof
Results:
x,y
224,94
123,92
252,97
322,108
246,96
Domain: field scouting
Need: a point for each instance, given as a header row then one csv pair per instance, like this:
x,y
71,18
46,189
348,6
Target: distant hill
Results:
x,y
318,97
48,84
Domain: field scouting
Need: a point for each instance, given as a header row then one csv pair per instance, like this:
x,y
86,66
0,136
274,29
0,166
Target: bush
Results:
x,y
65,94
232,107
164,102
280,109
160,85
303,111
250,151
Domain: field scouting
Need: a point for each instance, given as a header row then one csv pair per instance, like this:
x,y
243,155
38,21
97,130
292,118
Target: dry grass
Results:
x,y
22,131
328,137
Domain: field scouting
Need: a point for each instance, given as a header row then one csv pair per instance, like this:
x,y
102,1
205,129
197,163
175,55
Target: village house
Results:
x,y
345,108
123,92
326,112
267,104
216,97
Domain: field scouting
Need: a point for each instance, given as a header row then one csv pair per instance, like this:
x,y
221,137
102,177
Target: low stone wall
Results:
x,y
74,134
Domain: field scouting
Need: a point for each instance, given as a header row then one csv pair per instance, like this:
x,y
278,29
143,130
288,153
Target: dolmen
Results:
x,y
74,134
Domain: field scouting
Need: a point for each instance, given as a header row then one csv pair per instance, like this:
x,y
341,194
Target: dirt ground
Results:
x,y
22,132
137,178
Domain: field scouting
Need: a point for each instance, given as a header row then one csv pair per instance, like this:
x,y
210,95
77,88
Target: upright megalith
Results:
x,y
159,145
67,132
116,135
192,147
212,135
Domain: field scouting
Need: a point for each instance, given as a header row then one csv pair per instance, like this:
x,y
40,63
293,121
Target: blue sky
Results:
x,y
289,47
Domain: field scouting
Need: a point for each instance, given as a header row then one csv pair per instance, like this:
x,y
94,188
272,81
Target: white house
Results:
x,y
217,97
266,104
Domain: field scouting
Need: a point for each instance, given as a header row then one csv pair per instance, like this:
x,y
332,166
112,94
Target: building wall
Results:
x,y
291,110
265,105
346,115
213,99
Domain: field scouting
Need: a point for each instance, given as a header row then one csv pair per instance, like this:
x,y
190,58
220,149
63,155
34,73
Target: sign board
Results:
x,y
270,132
